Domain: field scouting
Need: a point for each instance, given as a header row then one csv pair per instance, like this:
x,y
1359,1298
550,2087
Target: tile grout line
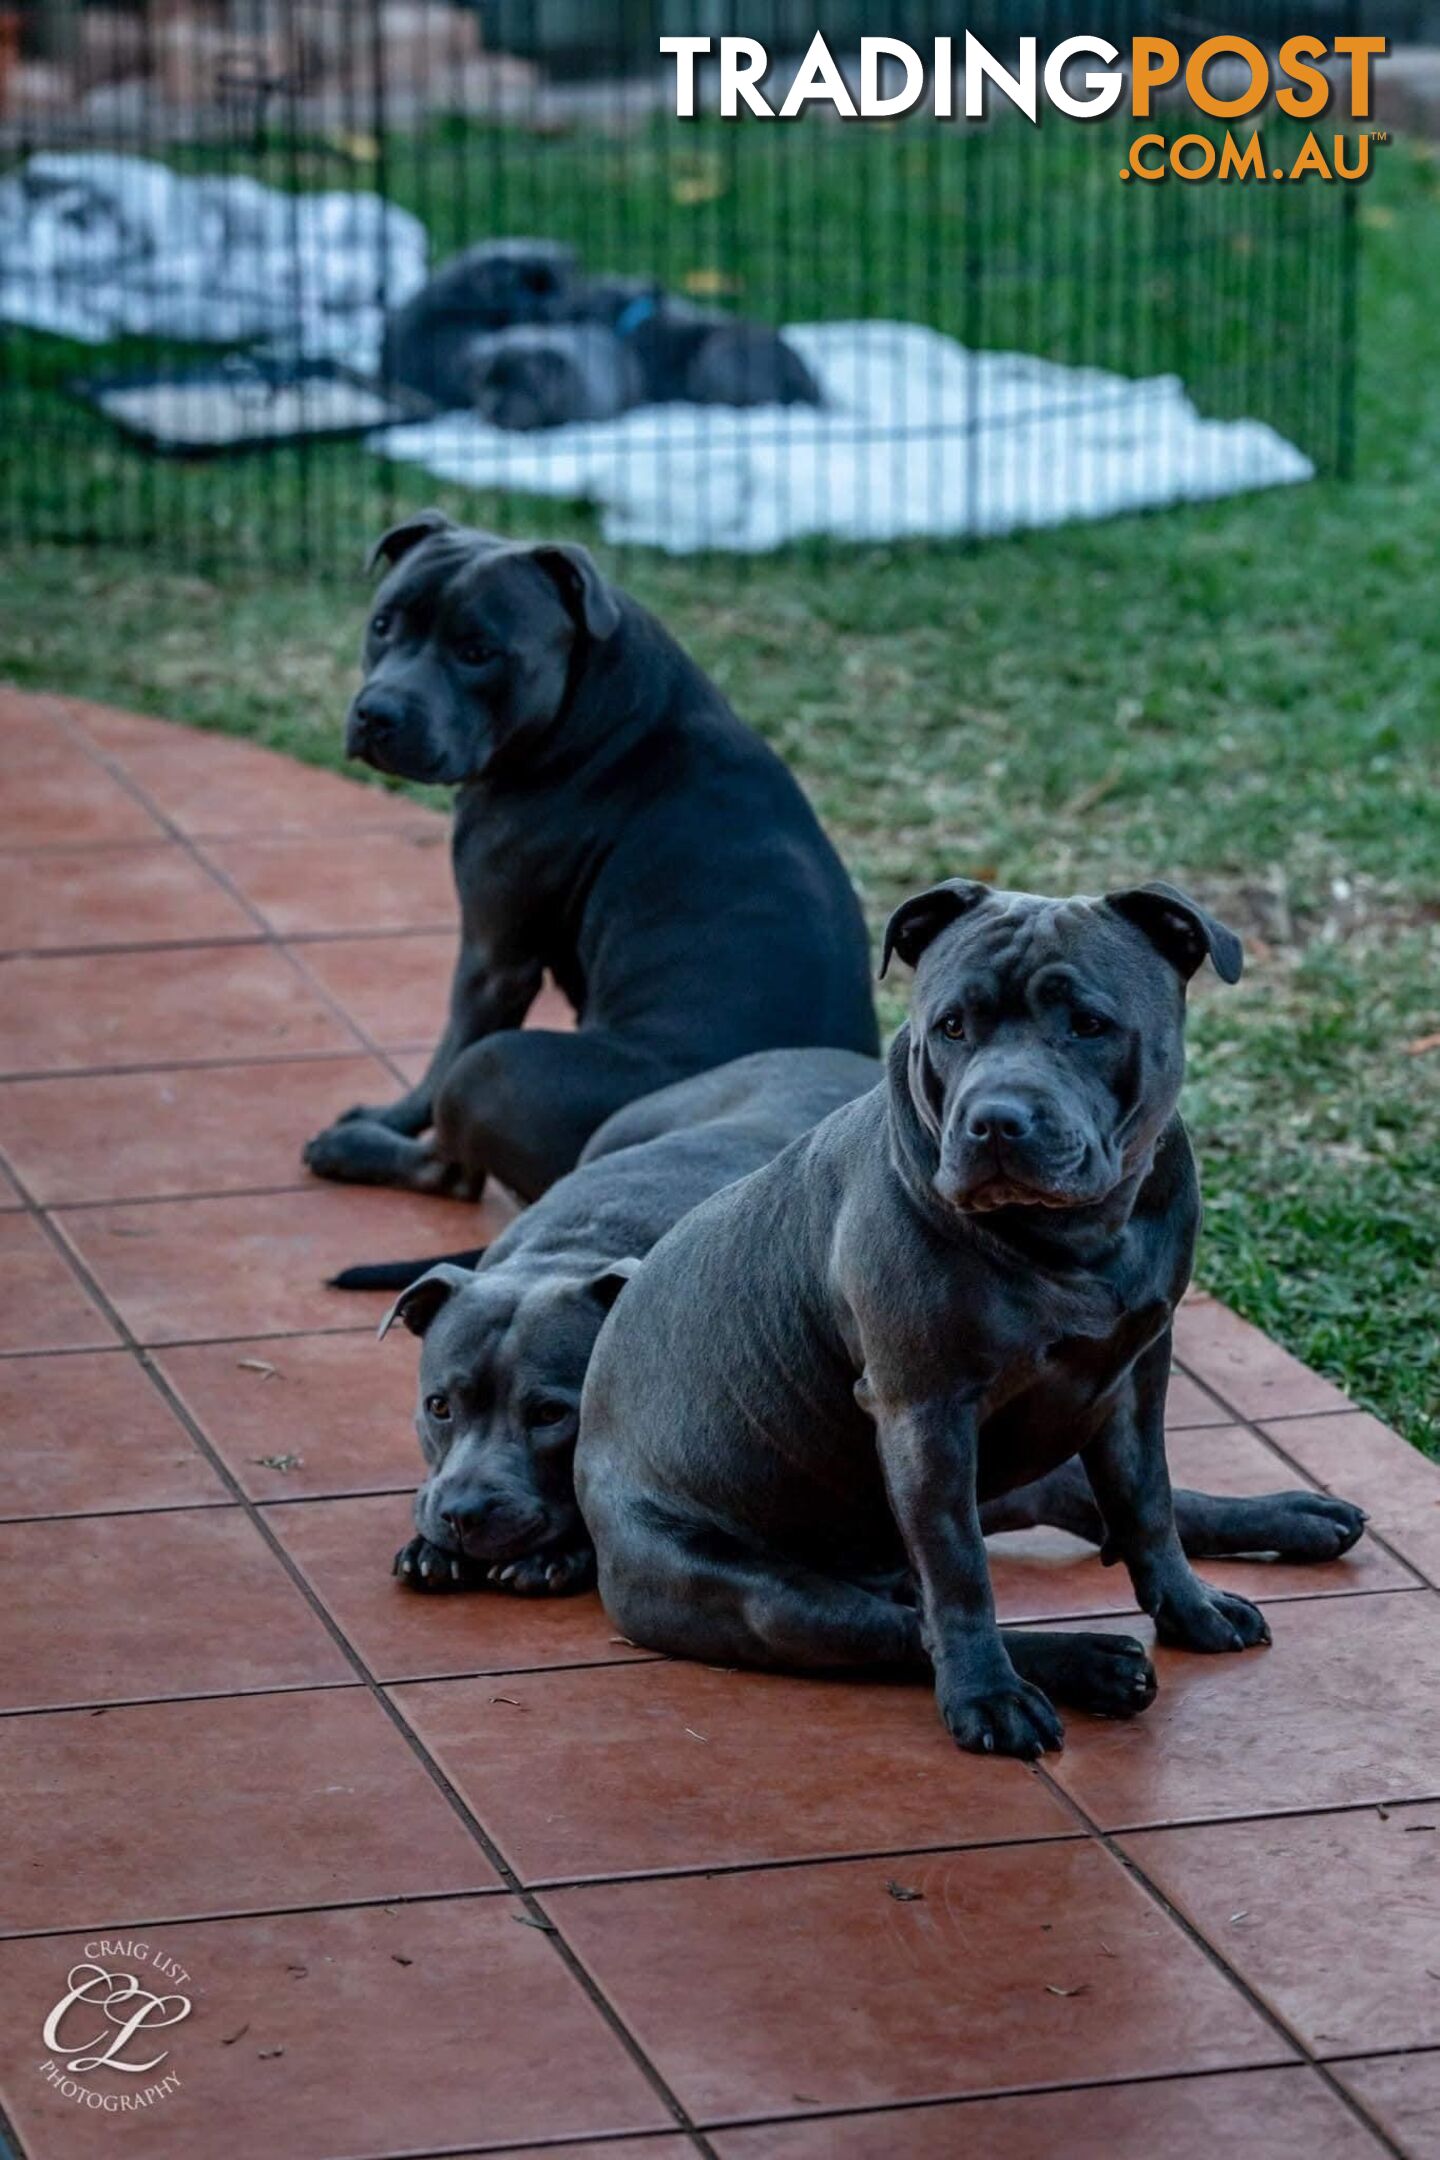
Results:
x,y
579,1974
1108,1842
222,941
1258,1432
143,1066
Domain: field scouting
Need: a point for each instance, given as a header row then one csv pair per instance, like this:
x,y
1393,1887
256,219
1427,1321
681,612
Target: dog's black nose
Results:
x,y
376,715
467,1518
999,1117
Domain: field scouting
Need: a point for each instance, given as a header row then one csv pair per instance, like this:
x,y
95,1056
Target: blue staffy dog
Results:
x,y
616,825
826,1383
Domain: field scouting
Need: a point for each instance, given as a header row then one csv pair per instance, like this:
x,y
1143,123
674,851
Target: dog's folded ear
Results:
x,y
587,593
608,1284
409,533
418,1305
917,922
1181,929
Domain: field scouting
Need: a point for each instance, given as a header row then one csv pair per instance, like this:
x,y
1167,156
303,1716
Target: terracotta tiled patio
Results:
x,y
465,1875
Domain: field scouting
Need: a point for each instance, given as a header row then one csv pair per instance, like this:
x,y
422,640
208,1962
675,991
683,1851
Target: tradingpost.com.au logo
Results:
x,y
106,2025
1083,78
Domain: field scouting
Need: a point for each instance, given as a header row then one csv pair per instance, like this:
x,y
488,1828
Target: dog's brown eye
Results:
x,y
1088,1025
952,1027
438,1407
473,653
549,1413
380,625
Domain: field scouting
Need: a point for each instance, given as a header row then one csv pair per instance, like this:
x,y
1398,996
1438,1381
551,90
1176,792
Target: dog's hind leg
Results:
x,y
1294,1526
522,1104
358,1151
707,1595
1108,1675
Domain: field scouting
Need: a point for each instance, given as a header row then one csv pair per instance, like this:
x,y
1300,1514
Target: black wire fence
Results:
x,y
233,328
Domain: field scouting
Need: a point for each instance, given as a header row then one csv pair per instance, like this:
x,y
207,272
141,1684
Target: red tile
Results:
x,y
133,1136
123,1608
57,796
397,988
211,786
287,1800
1402,2094
1046,1575
1187,1404
209,1004
378,2031
1399,1487
42,1306
192,1270
336,1410
1350,1969
1339,1711
1245,1369
25,714
113,896
111,729
649,1767
394,881
88,1434
785,1989
647,2148
1261,2114
345,1547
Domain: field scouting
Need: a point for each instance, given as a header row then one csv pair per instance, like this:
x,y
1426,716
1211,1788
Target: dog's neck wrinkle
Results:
x,y
1059,1242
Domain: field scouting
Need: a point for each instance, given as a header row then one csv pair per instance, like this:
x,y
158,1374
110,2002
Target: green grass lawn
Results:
x,y
1244,698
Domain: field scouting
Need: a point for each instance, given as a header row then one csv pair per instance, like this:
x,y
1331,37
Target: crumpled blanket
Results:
x,y
917,436
96,245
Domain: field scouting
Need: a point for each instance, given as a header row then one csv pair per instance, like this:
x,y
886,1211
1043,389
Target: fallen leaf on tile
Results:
x,y
238,2034
269,2054
260,1365
904,1893
398,1960
280,1462
546,1927
1083,1989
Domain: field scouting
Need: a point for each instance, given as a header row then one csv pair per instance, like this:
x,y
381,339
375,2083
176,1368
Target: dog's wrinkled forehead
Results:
x,y
1007,940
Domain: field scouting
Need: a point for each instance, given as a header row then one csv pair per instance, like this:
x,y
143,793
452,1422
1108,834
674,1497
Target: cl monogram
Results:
x,y
126,2005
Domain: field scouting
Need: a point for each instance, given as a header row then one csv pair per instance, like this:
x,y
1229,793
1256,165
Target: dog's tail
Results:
x,y
399,1274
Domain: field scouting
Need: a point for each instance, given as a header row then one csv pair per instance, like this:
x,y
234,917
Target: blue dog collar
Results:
x,y
634,313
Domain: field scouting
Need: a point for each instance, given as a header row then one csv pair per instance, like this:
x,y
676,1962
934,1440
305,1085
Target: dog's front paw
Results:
x,y
1009,1718
1200,1617
546,1574
423,1566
